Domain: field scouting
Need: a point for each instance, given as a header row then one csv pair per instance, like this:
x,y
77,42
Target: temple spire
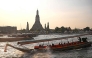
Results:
x,y
45,27
48,25
37,25
37,13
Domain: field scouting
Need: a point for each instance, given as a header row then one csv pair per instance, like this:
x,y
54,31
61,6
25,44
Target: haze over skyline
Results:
x,y
68,13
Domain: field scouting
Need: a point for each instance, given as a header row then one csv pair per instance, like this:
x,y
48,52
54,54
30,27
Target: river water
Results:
x,y
76,53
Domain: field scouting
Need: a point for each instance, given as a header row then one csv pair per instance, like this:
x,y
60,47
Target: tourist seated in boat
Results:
x,y
64,44
84,39
68,42
59,43
40,45
52,44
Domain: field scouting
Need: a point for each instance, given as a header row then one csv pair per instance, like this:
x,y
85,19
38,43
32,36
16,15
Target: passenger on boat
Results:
x,y
79,39
39,45
64,44
52,44
68,42
59,43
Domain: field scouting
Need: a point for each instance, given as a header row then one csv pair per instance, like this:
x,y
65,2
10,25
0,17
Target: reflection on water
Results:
x,y
80,53
11,52
84,53
38,55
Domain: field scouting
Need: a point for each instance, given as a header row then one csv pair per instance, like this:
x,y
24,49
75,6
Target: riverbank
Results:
x,y
14,39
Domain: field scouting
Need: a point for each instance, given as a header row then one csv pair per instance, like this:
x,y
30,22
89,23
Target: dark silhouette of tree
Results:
x,y
63,29
76,30
23,30
57,29
86,29
68,29
91,29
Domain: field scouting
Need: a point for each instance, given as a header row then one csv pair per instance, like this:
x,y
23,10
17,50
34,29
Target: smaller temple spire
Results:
x,y
45,26
48,25
27,27
47,29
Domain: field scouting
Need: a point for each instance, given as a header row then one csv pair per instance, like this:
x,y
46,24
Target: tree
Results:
x,y
63,29
91,29
76,30
68,29
86,29
23,30
57,29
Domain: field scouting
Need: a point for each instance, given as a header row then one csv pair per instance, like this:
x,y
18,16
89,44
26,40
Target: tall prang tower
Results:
x,y
37,25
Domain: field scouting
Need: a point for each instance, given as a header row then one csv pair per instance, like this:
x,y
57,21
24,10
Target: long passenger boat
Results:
x,y
67,46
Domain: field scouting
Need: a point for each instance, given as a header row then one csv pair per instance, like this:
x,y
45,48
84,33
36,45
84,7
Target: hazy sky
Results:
x,y
73,13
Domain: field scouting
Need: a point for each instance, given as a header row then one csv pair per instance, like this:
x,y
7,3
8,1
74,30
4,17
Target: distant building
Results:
x,y
37,25
8,29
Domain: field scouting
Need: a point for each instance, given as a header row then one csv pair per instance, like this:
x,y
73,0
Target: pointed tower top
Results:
x,y
37,13
27,27
45,26
48,23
